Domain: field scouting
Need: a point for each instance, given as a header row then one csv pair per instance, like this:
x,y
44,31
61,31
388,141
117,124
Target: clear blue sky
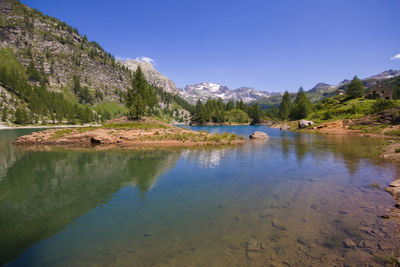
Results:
x,y
269,45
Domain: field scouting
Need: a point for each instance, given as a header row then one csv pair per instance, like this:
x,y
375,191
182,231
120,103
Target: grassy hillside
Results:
x,y
339,108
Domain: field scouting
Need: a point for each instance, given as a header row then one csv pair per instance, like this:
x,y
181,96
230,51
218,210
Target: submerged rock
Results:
x,y
305,124
253,248
385,216
366,244
264,214
259,135
253,245
302,241
348,243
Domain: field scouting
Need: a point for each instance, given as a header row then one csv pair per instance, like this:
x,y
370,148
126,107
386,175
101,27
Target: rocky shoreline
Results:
x,y
394,212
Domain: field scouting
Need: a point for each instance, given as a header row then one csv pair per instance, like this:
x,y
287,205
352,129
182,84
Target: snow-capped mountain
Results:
x,y
206,90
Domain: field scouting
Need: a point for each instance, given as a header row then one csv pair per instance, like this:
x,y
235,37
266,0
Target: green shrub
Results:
x,y
354,109
327,115
382,104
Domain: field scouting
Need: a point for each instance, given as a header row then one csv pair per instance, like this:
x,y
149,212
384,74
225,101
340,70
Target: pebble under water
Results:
x,y
297,199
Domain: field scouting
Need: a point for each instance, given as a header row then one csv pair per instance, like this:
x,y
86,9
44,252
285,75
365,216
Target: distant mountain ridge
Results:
x,y
206,90
386,74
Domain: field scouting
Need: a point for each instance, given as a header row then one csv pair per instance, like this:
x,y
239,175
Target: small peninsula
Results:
x,y
125,133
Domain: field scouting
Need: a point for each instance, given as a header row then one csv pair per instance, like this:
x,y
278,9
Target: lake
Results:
x,y
298,199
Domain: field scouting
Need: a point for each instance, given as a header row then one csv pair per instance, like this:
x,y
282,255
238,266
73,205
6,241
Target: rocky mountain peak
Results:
x,y
386,74
205,90
152,75
320,86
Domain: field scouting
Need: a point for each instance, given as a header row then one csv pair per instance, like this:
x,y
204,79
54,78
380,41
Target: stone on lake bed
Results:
x,y
385,216
253,245
366,244
259,135
276,224
253,248
264,214
348,243
302,241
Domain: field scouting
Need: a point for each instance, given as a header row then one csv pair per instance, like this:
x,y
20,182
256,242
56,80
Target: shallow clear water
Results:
x,y
289,201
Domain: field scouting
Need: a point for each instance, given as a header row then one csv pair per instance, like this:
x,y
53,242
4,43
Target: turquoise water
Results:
x,y
289,201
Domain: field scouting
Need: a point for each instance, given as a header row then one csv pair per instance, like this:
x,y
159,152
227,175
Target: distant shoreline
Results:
x,y
3,127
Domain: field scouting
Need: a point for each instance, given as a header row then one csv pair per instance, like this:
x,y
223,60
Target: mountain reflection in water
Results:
x,y
45,191
197,206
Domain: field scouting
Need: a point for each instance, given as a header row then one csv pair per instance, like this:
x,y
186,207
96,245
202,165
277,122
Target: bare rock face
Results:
x,y
259,135
305,124
59,52
152,75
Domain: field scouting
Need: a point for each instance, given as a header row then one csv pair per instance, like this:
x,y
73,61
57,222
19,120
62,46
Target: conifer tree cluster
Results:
x,y
300,108
140,98
215,110
355,88
396,92
38,103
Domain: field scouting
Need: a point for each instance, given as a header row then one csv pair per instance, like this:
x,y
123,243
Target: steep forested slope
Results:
x,y
49,71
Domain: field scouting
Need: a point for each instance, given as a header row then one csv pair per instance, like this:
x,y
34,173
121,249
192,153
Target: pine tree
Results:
x,y
285,106
21,116
33,73
137,106
230,105
302,106
77,84
396,91
140,96
255,113
241,105
300,94
199,113
355,88
4,114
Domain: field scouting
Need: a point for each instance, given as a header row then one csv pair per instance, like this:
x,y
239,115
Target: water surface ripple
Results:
x,y
294,200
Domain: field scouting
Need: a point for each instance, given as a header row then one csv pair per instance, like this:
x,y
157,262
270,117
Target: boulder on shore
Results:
x,y
285,127
259,135
305,124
